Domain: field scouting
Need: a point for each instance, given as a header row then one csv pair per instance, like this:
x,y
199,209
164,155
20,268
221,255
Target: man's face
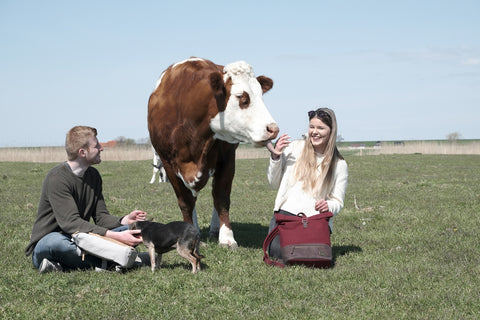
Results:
x,y
92,153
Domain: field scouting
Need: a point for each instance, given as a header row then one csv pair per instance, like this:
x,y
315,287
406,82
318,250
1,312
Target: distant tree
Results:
x,y
143,141
454,136
340,138
122,141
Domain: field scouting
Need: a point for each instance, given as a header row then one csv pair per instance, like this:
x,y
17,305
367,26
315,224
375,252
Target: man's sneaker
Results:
x,y
49,266
143,259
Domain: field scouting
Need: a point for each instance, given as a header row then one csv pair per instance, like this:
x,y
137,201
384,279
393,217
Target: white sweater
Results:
x,y
291,197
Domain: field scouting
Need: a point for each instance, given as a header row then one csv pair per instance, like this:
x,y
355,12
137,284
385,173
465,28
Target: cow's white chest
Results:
x,y
192,186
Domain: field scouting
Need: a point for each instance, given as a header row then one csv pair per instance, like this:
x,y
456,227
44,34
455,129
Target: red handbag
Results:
x,y
303,240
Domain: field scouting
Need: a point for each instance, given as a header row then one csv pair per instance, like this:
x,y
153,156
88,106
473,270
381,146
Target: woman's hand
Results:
x,y
281,144
321,206
135,215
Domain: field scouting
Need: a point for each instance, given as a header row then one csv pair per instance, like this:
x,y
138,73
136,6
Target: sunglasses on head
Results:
x,y
319,113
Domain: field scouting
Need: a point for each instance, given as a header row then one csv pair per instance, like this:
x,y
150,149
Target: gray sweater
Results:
x,y
68,202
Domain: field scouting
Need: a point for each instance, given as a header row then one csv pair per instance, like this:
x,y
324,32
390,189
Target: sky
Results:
x,y
391,70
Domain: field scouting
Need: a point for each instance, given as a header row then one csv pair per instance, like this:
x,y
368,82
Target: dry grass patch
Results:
x,y
128,153
422,147
144,152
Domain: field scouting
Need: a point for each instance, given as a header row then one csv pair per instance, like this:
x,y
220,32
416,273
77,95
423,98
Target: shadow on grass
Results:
x,y
182,265
248,235
339,251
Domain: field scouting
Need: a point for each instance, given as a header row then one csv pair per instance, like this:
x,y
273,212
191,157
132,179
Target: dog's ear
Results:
x,y
151,220
132,226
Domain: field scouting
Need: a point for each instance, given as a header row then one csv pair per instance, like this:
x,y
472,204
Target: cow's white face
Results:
x,y
245,119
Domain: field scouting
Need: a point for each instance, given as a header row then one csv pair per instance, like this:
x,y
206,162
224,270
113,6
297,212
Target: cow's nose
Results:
x,y
272,130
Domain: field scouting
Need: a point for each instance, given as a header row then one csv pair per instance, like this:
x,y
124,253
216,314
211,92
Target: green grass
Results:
x,y
409,251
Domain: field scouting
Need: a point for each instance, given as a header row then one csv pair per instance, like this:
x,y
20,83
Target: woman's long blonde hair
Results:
x,y
306,167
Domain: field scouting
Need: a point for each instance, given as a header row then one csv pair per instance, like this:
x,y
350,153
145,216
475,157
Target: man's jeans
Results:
x,y
59,247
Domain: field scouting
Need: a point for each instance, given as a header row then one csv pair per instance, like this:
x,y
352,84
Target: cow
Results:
x,y
158,169
198,113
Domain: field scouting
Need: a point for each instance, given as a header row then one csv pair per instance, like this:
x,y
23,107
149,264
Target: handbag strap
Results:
x,y
266,244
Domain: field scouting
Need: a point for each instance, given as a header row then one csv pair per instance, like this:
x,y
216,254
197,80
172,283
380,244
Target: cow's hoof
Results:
x,y
229,245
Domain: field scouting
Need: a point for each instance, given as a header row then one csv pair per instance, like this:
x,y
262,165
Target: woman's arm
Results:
x,y
277,159
336,198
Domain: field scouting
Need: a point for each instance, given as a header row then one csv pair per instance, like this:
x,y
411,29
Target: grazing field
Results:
x,y
144,152
127,153
406,246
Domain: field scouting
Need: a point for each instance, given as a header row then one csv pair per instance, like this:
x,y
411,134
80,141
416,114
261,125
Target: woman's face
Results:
x,y
319,134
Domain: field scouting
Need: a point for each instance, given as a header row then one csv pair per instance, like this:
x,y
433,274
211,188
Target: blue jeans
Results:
x,y
59,247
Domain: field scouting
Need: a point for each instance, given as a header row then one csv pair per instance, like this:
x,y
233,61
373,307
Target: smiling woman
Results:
x,y
310,175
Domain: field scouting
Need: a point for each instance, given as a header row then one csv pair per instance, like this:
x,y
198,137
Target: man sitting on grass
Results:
x,y
71,195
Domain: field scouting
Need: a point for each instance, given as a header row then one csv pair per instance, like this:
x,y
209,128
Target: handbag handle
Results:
x,y
266,243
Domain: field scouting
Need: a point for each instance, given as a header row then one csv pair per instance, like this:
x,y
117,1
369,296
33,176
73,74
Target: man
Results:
x,y
71,195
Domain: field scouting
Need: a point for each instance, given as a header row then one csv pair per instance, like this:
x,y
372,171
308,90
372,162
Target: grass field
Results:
x,y
406,246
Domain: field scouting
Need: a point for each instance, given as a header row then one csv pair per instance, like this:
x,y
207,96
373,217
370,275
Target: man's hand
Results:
x,y
129,237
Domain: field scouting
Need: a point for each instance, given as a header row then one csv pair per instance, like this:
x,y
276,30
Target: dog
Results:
x,y
161,238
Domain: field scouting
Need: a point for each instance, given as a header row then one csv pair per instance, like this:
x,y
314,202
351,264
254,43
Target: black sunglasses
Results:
x,y
319,113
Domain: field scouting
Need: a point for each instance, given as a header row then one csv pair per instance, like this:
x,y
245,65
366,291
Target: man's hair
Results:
x,y
78,138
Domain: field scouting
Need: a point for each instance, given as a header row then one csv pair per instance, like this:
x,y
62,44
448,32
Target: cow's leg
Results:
x,y
226,239
221,189
163,175
214,225
186,200
155,170
195,219
187,207
156,161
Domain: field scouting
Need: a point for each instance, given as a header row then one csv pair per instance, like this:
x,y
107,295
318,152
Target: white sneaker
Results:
x,y
49,266
143,259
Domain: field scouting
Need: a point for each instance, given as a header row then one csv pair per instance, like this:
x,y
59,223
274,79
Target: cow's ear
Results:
x,y
216,81
218,88
265,82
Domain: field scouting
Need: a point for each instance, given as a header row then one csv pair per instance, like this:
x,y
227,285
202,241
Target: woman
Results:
x,y
310,174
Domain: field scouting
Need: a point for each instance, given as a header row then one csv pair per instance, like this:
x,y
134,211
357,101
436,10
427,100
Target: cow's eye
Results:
x,y
243,100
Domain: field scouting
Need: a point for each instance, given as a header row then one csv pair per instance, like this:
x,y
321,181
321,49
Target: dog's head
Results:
x,y
138,224
133,225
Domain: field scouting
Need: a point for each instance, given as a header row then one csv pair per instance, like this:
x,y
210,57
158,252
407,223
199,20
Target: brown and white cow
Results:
x,y
197,115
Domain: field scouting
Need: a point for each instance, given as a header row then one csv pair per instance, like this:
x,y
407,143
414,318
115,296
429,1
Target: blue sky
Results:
x,y
391,70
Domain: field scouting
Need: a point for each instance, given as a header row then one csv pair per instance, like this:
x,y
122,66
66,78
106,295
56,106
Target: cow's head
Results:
x,y
245,117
